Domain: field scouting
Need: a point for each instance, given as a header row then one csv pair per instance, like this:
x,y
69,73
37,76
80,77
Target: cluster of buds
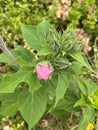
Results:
x,y
63,9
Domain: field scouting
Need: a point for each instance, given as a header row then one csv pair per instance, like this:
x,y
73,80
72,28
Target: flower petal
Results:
x,y
43,71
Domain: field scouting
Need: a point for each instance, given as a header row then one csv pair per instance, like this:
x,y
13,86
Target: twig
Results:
x,y
74,127
7,52
94,68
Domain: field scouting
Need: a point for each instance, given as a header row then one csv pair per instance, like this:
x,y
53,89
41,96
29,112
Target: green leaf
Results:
x,y
30,35
33,82
22,52
9,108
25,74
93,98
19,52
45,50
91,85
90,2
9,103
83,101
80,58
33,105
87,85
88,116
67,102
51,88
88,88
63,83
4,58
42,30
82,86
76,68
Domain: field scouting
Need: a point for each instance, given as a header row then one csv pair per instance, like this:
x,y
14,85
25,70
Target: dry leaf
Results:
x,y
63,10
82,36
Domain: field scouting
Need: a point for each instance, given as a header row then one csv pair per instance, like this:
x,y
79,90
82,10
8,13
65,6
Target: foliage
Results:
x,y
68,88
84,14
12,123
15,11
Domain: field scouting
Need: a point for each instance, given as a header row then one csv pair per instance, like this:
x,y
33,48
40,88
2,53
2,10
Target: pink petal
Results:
x,y
46,77
38,68
43,71
47,70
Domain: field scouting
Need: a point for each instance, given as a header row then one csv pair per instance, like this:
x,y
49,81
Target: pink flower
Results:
x,y
43,71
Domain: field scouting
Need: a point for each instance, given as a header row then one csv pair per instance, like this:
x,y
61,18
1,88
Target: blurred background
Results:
x,y
79,14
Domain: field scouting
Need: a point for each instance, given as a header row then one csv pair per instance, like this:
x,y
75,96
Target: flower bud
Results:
x,y
43,71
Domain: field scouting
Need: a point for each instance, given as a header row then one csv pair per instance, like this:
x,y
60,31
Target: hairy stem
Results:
x,y
7,52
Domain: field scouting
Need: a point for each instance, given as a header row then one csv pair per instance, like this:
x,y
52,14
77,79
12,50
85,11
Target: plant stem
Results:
x,y
74,127
7,52
94,68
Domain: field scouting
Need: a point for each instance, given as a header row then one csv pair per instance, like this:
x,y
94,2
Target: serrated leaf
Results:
x,y
88,116
63,83
25,74
80,58
30,35
33,105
